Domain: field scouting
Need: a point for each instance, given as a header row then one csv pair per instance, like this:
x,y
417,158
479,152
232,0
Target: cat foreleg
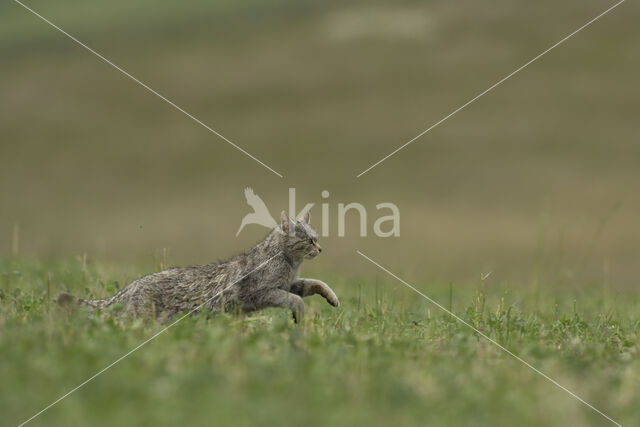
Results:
x,y
284,299
306,287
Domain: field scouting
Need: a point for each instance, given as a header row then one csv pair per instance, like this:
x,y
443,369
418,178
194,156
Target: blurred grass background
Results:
x,y
536,181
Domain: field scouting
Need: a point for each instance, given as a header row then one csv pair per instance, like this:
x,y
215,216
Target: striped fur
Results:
x,y
241,283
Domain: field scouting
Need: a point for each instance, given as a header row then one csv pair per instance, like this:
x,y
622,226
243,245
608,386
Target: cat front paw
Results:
x,y
333,300
298,311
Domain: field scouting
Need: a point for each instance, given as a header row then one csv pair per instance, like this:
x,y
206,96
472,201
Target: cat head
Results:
x,y
300,240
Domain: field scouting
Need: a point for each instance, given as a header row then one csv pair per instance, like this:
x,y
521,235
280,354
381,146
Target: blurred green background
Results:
x,y
536,181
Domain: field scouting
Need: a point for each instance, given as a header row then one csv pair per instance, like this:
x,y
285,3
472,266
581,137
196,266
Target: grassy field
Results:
x,y
536,182
385,357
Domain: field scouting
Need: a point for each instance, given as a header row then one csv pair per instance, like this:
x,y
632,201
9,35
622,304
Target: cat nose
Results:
x,y
319,248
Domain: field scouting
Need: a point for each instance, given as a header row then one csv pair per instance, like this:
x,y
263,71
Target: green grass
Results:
x,y
385,357
534,180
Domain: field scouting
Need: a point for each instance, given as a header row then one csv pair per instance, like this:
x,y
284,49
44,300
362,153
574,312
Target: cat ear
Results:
x,y
284,222
306,217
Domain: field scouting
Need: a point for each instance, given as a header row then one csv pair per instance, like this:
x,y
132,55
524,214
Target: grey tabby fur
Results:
x,y
266,276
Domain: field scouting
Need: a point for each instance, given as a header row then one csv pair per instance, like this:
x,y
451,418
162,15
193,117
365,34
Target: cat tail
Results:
x,y
68,300
94,303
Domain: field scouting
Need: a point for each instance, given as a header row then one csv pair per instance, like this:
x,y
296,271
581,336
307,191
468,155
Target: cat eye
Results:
x,y
311,241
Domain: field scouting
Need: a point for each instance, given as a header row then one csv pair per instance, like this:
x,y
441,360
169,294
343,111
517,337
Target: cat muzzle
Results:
x,y
314,253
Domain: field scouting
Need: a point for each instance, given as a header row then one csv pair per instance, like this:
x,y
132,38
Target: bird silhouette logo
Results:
x,y
260,214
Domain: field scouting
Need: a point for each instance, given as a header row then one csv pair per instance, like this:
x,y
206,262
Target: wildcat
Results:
x,y
265,276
